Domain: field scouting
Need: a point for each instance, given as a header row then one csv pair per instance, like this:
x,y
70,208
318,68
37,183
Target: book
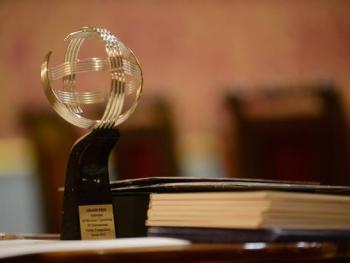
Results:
x,y
250,210
131,196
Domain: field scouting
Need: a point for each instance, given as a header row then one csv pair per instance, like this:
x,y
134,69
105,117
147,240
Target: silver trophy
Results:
x,y
88,212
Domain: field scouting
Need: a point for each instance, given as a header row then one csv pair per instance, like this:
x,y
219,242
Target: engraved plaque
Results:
x,y
96,222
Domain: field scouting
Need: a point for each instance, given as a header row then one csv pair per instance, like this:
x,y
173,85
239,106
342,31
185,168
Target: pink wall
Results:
x,y
189,51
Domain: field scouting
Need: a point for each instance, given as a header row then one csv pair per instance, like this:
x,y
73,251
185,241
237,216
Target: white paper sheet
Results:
x,y
10,248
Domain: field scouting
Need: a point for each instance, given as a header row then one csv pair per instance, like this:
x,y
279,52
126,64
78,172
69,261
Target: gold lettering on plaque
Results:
x,y
96,222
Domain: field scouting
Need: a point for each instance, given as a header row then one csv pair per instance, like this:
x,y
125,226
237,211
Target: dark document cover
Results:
x,y
219,235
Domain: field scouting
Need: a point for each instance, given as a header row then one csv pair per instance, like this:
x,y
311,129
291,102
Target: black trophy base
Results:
x,y
87,206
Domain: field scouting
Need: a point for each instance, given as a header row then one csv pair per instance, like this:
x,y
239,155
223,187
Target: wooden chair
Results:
x,y
145,149
291,133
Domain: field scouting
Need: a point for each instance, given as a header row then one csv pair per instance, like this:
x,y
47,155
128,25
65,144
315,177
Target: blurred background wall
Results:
x,y
190,52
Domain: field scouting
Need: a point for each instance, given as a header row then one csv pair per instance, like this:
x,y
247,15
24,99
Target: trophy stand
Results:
x,y
87,205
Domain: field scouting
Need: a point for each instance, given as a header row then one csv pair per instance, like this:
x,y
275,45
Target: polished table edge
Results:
x,y
243,252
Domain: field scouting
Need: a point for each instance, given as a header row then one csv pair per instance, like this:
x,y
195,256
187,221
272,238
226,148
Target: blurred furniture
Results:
x,y
52,139
146,147
290,133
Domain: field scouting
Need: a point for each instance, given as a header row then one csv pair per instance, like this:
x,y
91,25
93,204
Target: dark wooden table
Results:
x,y
247,252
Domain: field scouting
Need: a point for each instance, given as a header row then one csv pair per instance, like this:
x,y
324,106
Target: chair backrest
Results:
x,y
147,143
291,133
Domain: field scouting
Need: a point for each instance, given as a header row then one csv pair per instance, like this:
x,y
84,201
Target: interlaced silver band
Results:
x,y
126,80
